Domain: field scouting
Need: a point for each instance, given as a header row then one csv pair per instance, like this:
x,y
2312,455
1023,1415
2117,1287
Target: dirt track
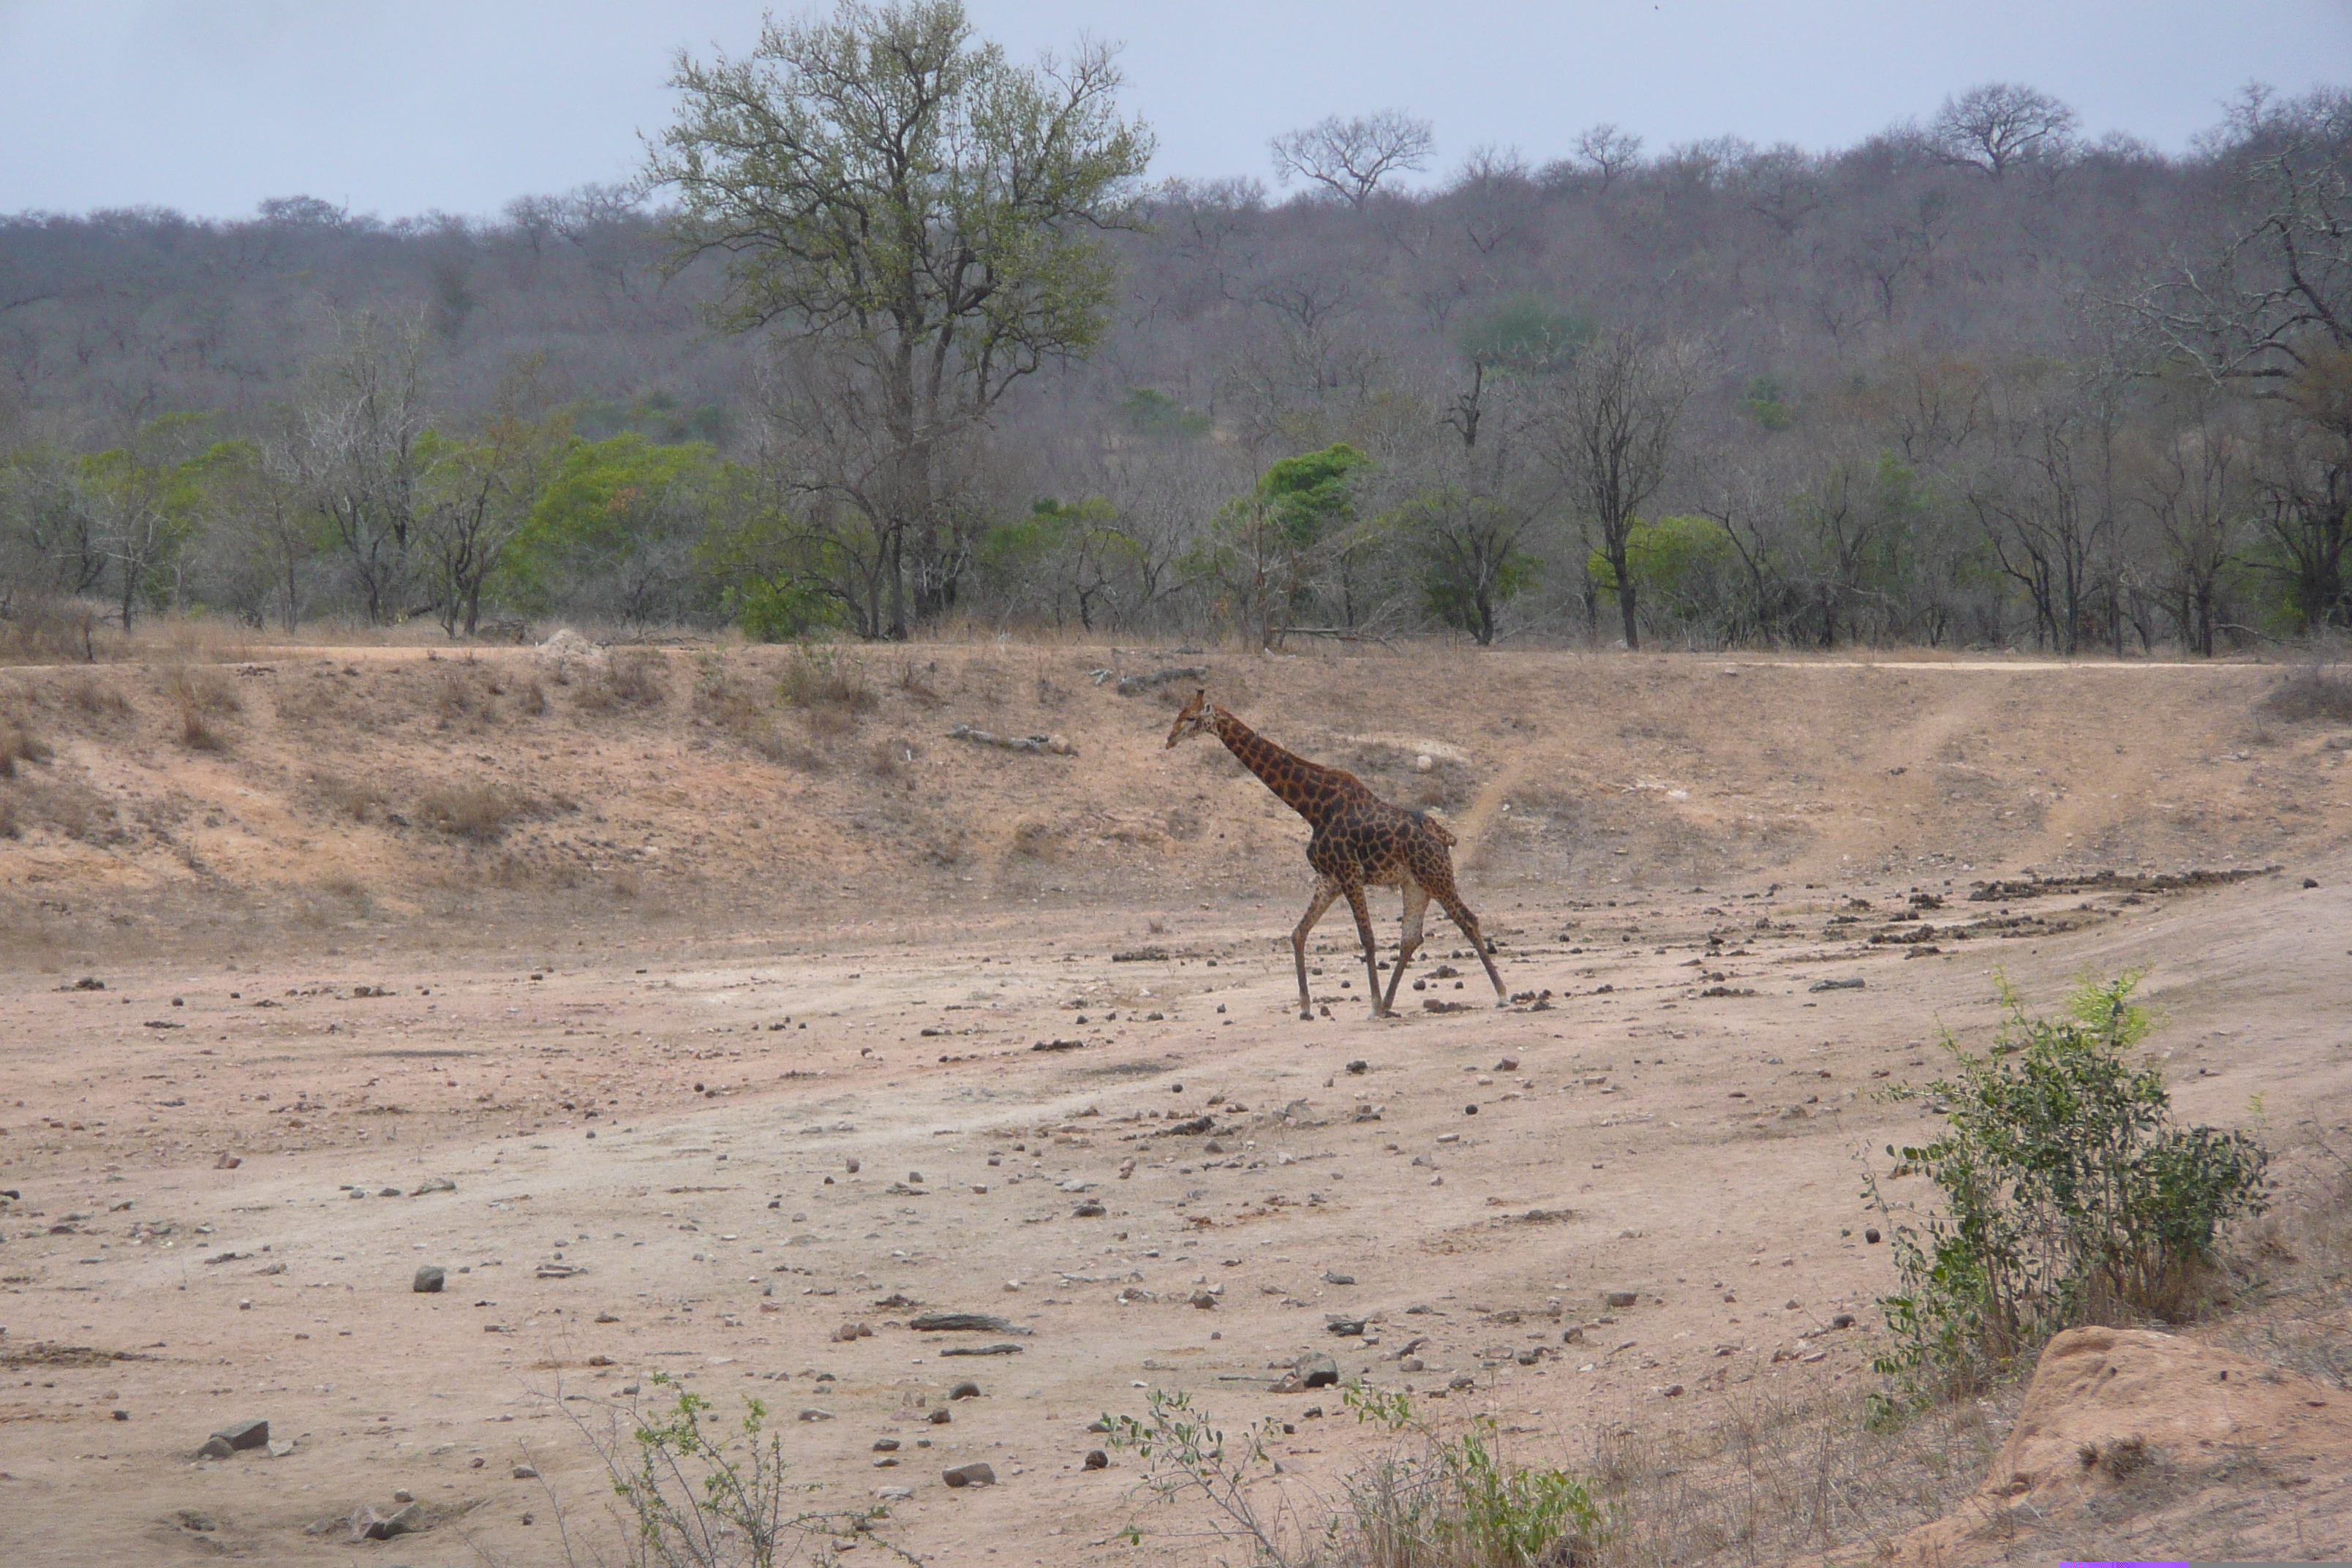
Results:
x,y
650,1063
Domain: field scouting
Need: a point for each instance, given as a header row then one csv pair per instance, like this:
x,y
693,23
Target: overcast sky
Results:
x,y
398,107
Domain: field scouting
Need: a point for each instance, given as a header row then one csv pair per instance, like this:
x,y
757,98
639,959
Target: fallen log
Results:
x,y
1131,684
1058,745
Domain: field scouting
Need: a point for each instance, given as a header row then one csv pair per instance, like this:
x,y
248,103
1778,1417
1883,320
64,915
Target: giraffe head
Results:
x,y
1197,718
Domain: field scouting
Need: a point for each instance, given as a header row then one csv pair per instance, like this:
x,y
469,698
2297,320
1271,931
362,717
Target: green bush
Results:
x,y
693,1498
2068,1193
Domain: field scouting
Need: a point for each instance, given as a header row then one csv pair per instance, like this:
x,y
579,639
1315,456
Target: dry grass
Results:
x,y
18,745
2296,1268
202,694
2321,692
531,702
478,813
97,699
823,679
632,677
1758,1479
52,631
203,690
345,798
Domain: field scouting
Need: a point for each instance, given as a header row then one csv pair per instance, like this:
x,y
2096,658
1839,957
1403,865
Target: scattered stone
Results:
x,y
1360,1066
851,1163
434,1184
1317,1370
1508,1064
600,1361
1089,1210
814,1414
245,1435
1870,1234
1097,1460
938,1418
1842,1321
279,1450
848,1332
368,1525
1470,1109
981,1350
428,1280
1855,985
964,1390
122,1414
886,1445
525,1473
972,1475
1618,1298
1459,1382
1204,1300
1674,1391
1332,1277
1343,1326
2311,881
226,1163
216,1447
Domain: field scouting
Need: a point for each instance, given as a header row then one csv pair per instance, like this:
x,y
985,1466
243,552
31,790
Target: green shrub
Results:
x,y
698,1499
2067,1194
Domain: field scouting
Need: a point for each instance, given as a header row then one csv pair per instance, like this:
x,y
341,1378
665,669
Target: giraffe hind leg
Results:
x,y
1462,916
1416,901
1326,890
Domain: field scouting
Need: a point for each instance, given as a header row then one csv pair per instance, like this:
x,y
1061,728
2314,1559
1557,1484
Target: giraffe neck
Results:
x,y
1308,788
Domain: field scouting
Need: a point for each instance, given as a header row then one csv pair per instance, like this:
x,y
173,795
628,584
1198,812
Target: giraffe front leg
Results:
x,y
1372,946
1325,891
1416,901
1469,924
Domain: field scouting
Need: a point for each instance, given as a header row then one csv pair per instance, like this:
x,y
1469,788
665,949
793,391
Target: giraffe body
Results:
x,y
1360,841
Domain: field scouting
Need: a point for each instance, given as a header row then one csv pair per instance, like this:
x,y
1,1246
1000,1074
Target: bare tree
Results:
x,y
2000,125
1611,435
1349,158
2270,316
356,432
1609,152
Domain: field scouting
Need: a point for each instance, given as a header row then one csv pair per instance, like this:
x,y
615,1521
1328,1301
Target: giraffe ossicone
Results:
x,y
1359,841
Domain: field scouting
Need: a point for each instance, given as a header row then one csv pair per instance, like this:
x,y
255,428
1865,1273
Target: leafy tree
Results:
x,y
615,529
144,502
478,495
929,216
1526,336
1676,560
1065,559
1468,544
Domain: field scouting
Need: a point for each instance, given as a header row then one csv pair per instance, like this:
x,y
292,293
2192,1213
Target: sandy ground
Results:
x,y
709,1052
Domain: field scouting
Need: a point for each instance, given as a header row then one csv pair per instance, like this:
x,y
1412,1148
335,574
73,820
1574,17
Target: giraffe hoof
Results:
x,y
1306,1015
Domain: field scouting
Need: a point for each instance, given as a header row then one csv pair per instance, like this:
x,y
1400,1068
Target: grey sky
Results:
x,y
411,105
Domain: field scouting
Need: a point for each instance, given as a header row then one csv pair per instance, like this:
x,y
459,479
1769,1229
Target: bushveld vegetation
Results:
x,y
1978,379
2065,1194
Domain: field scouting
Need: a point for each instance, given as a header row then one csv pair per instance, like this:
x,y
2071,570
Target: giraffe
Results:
x,y
1360,841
